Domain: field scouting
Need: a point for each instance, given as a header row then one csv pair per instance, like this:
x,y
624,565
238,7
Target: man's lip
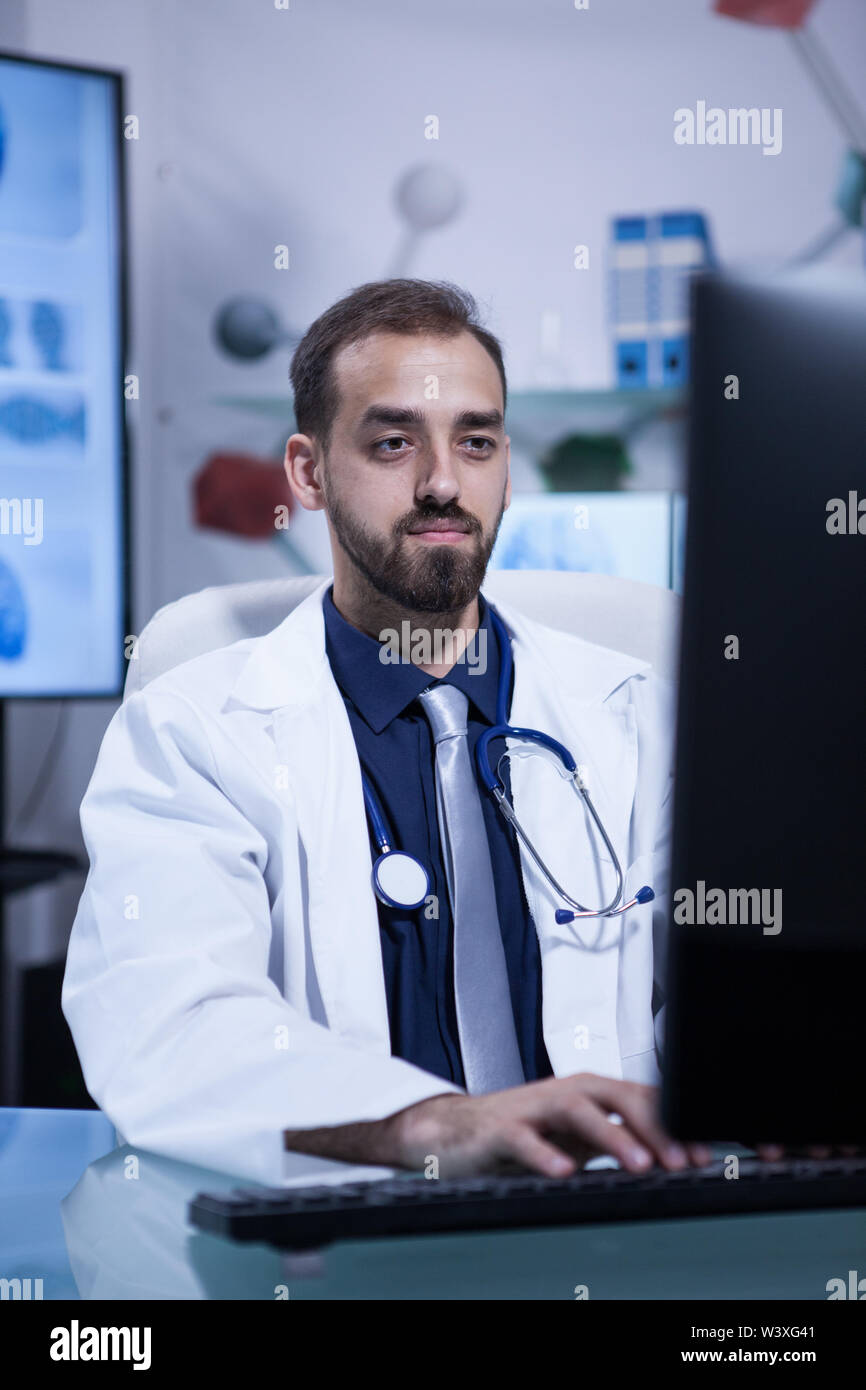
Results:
x,y
439,526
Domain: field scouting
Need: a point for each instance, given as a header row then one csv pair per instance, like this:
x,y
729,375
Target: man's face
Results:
x,y
416,476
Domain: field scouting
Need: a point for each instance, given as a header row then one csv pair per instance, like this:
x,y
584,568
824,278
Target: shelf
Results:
x,y
534,418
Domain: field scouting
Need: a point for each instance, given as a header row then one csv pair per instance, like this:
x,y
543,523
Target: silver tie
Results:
x,y
485,1019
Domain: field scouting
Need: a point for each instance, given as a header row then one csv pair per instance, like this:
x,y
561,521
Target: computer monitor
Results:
x,y
625,534
763,1031
63,534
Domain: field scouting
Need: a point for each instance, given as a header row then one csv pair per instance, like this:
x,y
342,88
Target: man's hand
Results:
x,y
550,1127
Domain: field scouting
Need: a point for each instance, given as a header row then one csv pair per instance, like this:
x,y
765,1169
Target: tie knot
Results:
x,y
446,709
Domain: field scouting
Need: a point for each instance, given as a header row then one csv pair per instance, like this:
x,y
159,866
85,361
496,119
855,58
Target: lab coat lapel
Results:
x,y
563,690
318,758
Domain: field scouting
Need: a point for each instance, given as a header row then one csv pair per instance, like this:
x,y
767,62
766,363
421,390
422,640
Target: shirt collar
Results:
x,y
382,690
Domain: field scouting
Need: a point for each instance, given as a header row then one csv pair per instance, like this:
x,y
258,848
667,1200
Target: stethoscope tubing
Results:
x,y
502,729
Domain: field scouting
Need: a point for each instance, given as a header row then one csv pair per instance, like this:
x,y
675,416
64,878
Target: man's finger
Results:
x,y
587,1122
699,1154
529,1148
638,1107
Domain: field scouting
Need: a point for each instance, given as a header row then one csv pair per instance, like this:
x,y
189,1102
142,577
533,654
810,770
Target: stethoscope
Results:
x,y
401,880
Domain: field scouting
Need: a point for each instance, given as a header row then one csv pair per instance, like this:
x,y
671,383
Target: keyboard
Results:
x,y
303,1218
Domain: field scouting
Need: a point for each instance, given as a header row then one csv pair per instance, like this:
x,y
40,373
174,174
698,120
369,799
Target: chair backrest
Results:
x,y
640,619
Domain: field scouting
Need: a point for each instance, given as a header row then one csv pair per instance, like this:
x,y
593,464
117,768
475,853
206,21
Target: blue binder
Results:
x,y
653,259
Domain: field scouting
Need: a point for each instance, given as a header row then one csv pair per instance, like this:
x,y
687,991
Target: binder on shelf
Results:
x,y
653,259
630,310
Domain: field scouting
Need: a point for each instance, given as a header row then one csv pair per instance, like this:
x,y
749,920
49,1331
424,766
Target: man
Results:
x,y
238,995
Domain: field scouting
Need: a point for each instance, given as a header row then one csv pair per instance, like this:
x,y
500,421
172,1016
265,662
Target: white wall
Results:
x,y
261,126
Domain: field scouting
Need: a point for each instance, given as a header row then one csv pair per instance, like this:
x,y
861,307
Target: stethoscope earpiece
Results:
x,y
643,895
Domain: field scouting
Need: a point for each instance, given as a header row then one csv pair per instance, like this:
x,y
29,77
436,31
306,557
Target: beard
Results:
x,y
436,578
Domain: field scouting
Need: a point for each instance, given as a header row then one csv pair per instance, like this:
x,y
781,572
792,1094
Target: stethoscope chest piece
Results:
x,y
400,880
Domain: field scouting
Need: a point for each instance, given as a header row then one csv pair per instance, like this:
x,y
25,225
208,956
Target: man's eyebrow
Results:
x,y
479,420
411,415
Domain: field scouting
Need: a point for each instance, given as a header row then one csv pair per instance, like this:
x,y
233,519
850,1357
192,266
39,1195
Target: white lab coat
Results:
x,y
224,978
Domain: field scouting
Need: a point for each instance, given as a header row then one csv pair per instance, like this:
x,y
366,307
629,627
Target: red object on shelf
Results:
x,y
784,14
240,493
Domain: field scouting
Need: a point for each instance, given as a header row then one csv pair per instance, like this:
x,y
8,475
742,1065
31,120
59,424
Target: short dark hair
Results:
x,y
386,306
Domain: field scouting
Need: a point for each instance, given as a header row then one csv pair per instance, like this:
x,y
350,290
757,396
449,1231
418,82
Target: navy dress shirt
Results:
x,y
397,754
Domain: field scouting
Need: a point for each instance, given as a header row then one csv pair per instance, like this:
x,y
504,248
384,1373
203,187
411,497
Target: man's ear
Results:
x,y
301,465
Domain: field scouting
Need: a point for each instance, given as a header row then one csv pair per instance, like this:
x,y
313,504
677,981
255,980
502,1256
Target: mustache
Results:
x,y
449,513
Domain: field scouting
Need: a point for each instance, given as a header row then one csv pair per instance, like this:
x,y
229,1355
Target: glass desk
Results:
x,y
94,1221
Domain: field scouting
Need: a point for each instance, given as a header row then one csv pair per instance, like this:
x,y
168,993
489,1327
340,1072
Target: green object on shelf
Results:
x,y
585,463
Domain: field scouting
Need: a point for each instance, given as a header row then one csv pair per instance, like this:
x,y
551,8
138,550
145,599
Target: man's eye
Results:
x,y
395,442
396,439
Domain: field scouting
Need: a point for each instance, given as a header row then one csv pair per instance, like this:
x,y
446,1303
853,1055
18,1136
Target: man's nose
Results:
x,y
438,478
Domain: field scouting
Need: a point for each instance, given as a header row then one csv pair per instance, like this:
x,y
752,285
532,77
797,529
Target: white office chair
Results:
x,y
640,619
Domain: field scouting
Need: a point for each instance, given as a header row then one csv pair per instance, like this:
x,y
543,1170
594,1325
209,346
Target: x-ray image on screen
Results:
x,y
62,535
